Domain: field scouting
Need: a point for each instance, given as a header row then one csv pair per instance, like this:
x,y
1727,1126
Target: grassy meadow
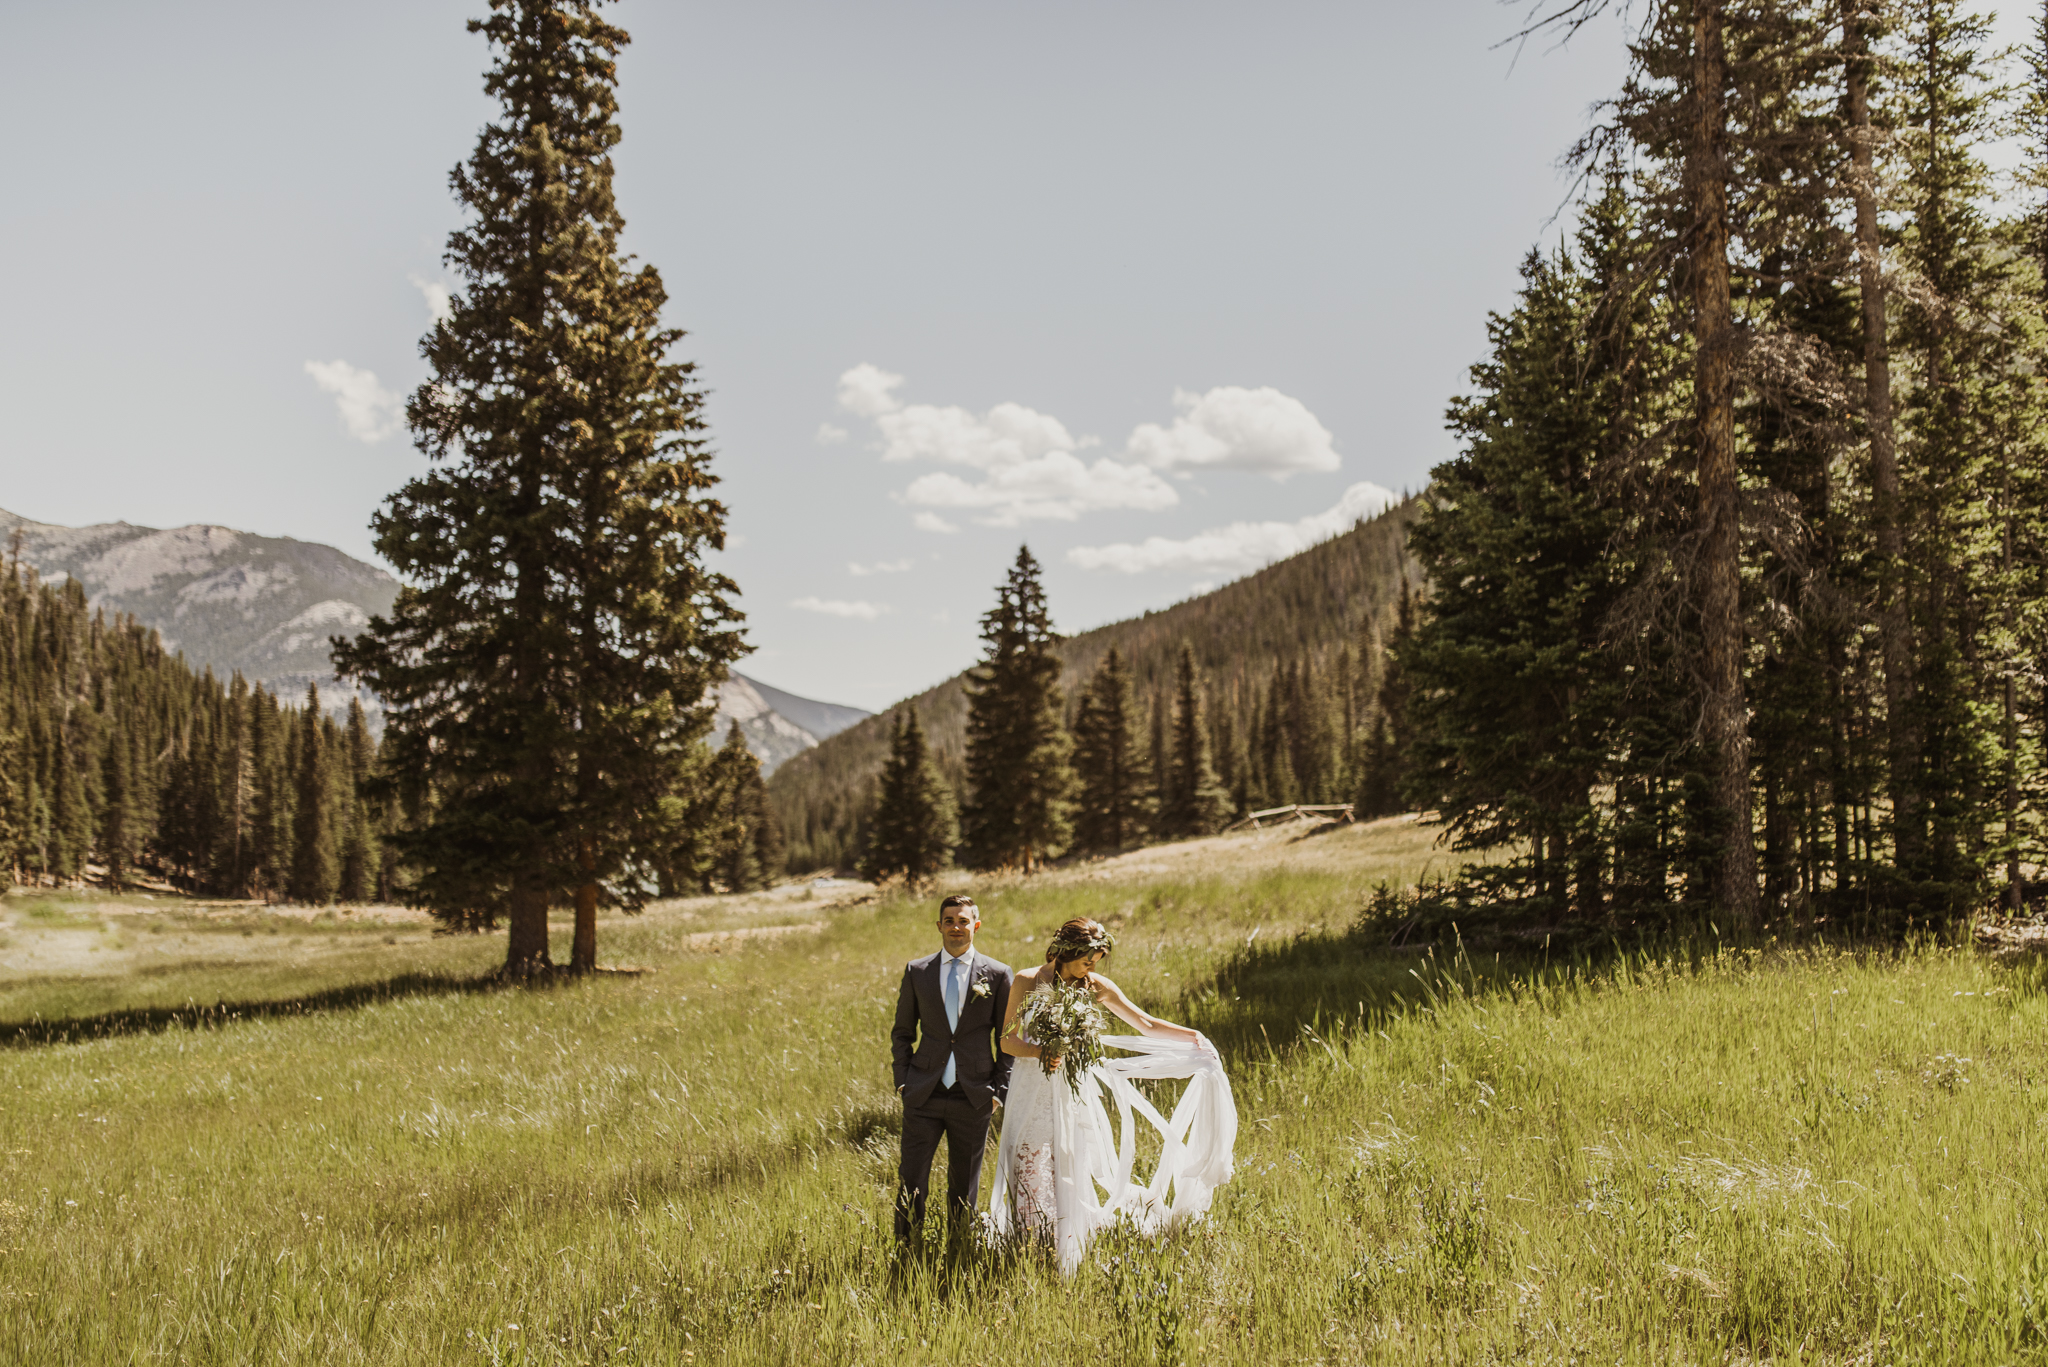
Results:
x,y
366,1156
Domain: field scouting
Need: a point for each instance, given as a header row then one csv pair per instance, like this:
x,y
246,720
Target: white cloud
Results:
x,y
932,522
1008,434
829,435
1230,428
1239,547
840,607
1027,460
369,410
1057,485
855,568
440,299
864,390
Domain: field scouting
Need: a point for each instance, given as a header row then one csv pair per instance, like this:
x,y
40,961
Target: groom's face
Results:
x,y
957,926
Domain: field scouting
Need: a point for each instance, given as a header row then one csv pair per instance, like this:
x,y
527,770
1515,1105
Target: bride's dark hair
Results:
x,y
1077,939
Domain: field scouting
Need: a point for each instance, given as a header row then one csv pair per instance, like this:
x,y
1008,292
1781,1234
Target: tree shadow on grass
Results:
x,y
1274,995
1265,995
149,1020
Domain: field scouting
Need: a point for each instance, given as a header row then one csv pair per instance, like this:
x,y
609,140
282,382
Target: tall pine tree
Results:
x,y
1113,803
1195,801
1018,772
914,826
546,663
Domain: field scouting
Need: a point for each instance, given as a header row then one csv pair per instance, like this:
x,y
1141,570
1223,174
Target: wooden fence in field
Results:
x,y
1336,811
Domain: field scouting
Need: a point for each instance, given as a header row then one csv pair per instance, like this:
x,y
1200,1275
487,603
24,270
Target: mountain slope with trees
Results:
x,y
1289,659
260,606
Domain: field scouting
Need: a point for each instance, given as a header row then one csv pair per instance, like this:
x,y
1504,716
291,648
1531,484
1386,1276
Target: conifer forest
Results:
x,y
1733,599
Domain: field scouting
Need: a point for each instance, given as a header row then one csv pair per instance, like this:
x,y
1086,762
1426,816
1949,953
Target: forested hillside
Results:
x,y
1290,662
121,764
115,753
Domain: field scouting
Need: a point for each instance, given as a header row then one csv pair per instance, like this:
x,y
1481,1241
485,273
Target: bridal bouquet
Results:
x,y
1067,1024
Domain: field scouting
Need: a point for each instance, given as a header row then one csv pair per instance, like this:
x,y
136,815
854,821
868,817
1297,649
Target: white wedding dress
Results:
x,y
1062,1174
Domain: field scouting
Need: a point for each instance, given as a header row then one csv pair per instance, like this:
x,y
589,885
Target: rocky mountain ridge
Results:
x,y
264,605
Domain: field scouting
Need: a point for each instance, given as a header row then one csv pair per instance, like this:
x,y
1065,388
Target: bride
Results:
x,y
1061,1174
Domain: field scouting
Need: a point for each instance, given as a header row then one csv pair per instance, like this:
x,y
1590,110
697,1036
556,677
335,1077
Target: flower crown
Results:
x,y
1069,942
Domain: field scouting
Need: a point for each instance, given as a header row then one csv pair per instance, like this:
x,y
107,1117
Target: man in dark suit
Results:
x,y
949,1070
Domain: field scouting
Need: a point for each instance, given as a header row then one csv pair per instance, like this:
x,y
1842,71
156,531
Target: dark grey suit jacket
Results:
x,y
922,1040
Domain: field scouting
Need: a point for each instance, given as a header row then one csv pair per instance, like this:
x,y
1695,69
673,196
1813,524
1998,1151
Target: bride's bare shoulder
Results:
x,y
1103,986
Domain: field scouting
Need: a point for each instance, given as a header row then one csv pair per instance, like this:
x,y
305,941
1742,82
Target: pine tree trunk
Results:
x,y
1726,710
1895,627
2010,701
583,953
526,940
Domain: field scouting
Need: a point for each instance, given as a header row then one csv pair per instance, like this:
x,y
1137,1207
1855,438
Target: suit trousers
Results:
x,y
966,1133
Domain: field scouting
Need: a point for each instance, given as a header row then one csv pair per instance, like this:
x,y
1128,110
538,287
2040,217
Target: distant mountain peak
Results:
x,y
267,605
768,718
234,600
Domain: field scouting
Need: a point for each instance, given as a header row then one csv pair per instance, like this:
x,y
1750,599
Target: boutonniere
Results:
x,y
980,988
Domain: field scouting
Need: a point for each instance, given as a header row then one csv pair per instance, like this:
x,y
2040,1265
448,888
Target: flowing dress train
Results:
x,y
1062,1174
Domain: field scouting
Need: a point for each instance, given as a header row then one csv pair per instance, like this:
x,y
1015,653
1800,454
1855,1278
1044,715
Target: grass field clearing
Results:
x,y
1795,1155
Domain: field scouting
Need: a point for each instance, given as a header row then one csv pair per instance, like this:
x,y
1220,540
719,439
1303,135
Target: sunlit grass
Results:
x,y
1796,1155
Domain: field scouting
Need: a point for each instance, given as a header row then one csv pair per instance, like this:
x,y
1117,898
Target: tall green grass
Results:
x,y
1801,1155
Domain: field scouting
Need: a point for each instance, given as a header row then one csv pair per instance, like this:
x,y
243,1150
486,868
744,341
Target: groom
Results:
x,y
949,1071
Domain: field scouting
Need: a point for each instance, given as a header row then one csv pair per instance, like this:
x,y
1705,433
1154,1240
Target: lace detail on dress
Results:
x,y
1028,1125
1033,1192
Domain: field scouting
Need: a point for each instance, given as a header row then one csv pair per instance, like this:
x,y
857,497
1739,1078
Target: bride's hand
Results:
x,y
1053,1064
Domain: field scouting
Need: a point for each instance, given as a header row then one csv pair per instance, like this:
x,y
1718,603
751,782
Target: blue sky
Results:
x,y
1161,288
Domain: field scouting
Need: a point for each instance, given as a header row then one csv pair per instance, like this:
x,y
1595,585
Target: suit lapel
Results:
x,y
934,994
977,976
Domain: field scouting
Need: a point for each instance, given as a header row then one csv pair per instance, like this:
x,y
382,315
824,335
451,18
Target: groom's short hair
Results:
x,y
960,899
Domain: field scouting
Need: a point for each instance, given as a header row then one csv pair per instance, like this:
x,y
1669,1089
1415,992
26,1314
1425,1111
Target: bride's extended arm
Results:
x,y
1113,997
1013,1043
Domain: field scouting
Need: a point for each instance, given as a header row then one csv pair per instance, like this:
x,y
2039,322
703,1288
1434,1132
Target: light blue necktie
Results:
x,y
953,967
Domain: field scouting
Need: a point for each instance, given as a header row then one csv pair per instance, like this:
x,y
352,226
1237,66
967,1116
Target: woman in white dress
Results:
x,y
1061,1173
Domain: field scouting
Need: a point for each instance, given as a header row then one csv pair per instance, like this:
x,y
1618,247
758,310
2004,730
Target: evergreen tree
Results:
x,y
737,813
1232,763
313,876
233,782
1862,25
1383,778
1949,431
545,668
270,852
359,846
1113,805
119,828
1718,94
1276,748
13,814
1018,774
914,828
1195,800
1518,691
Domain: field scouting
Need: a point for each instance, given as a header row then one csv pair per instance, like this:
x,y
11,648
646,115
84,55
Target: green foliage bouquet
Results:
x,y
1067,1024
